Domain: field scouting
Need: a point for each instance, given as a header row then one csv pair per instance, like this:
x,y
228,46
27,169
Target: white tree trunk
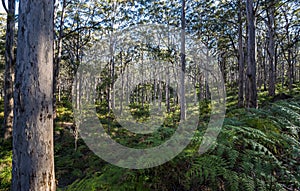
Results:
x,y
33,160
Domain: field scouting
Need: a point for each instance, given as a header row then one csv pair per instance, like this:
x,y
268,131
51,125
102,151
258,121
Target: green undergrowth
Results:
x,y
5,165
257,149
64,110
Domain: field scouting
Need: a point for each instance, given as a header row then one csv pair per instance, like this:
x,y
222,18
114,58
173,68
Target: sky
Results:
x,y
1,7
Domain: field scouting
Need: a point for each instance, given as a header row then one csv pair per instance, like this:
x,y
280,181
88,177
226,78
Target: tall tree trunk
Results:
x,y
222,65
33,160
160,87
276,62
183,67
241,58
290,70
207,92
127,87
108,93
122,84
195,92
264,65
200,86
282,75
9,71
113,92
289,56
168,88
176,78
271,48
251,70
142,85
154,86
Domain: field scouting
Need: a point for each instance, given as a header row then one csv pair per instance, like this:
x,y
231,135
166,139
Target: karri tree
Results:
x,y
33,160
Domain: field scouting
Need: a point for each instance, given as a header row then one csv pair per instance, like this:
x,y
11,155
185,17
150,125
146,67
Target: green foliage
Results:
x,y
111,179
257,149
5,166
252,153
71,165
64,114
140,112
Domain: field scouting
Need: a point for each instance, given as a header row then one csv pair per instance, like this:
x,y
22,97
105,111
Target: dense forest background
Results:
x,y
256,45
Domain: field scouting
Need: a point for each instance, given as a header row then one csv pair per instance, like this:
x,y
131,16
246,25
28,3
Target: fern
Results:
x,y
257,149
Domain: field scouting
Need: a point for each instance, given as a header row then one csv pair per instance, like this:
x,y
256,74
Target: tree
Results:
x,y
9,70
251,70
271,45
241,56
58,54
291,36
33,160
183,67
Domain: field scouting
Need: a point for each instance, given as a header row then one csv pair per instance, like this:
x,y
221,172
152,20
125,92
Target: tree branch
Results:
x,y
4,5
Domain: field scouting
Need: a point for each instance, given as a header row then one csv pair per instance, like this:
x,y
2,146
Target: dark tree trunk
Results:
x,y
241,58
251,70
9,71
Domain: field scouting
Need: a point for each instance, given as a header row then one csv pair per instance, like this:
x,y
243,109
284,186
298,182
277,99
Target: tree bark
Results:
x,y
183,67
160,89
264,61
127,87
251,70
168,88
33,160
122,83
271,48
9,71
241,58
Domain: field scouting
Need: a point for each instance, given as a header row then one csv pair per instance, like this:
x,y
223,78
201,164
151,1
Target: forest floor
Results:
x,y
256,149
